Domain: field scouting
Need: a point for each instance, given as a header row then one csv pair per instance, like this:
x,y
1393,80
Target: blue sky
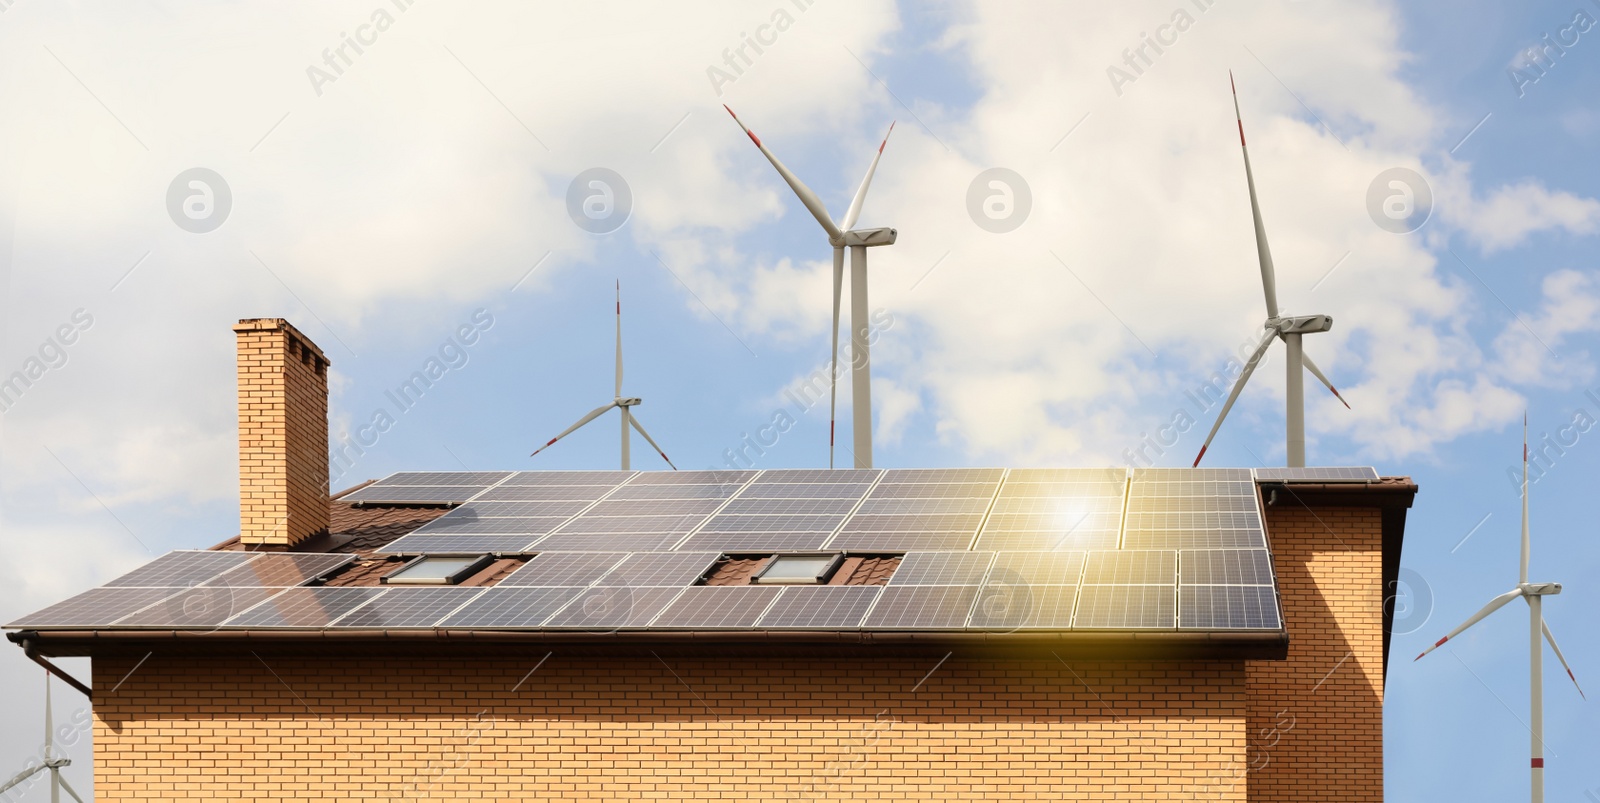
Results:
x,y
381,210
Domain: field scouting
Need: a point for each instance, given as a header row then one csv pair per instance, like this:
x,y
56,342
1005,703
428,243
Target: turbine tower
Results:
x,y
1287,329
57,783
841,235
623,403
1533,594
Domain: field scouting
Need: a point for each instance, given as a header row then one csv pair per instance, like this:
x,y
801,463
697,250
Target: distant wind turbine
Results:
x,y
623,403
1533,594
1288,330
840,235
57,783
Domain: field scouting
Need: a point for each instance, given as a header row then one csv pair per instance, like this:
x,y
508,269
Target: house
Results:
x,y
903,634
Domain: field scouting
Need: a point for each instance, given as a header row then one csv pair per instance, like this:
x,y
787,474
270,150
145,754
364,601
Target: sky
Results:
x,y
1075,263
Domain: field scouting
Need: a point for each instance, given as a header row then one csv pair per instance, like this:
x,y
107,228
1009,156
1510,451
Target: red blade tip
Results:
x,y
1198,456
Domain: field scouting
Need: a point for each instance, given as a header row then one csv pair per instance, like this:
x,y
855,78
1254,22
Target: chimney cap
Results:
x,y
279,324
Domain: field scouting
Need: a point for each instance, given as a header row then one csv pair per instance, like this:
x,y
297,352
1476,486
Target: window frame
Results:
x,y
395,577
821,577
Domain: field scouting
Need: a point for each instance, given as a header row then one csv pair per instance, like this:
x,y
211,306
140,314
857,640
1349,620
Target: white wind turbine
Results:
x,y
625,404
1287,329
840,236
57,783
1531,593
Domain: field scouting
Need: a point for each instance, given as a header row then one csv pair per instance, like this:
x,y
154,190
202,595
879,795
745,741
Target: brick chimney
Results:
x,y
283,434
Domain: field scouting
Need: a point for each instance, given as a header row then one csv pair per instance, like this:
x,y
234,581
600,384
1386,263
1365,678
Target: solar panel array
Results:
x,y
983,549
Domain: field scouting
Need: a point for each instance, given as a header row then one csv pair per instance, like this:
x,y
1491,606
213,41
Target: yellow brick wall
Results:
x,y
669,727
1316,720
283,434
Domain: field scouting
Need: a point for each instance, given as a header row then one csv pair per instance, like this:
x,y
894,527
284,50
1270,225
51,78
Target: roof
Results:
x,y
1145,561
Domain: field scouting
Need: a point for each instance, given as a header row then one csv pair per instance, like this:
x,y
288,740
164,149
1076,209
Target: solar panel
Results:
x,y
933,490
791,490
1043,568
484,510
724,523
594,542
1131,567
202,607
1192,504
1035,541
510,607
97,607
820,607
717,607
537,493
674,492
564,569
692,478
1191,474
1068,507
1126,607
756,542
304,607
969,506
408,607
654,507
1228,607
942,475
1318,474
457,544
182,568
898,542
484,478
921,608
1194,488
1067,490
1195,520
414,494
547,478
777,475
789,507
660,569
1116,476
1053,522
464,525
912,524
608,608
942,569
1194,539
1007,605
284,569
1225,567
632,524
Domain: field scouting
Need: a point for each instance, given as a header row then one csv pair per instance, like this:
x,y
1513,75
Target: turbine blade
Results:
x,y
22,776
1550,637
1526,547
67,786
49,719
634,419
1494,605
619,338
1269,279
593,414
807,197
1317,372
1238,385
833,355
854,213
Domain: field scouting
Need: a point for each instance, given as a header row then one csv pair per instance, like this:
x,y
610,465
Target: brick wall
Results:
x,y
283,434
673,727
1316,720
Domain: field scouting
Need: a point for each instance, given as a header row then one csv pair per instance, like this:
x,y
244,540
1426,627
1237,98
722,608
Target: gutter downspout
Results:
x,y
30,649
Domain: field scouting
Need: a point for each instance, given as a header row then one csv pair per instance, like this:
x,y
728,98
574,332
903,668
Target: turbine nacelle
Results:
x,y
1539,589
632,401
868,238
1301,324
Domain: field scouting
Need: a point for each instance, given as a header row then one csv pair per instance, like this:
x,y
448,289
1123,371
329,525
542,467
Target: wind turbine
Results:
x,y
623,403
1533,594
840,236
1287,329
54,765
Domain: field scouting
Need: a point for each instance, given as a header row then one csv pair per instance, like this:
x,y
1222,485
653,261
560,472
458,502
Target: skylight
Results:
x,y
798,569
437,571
